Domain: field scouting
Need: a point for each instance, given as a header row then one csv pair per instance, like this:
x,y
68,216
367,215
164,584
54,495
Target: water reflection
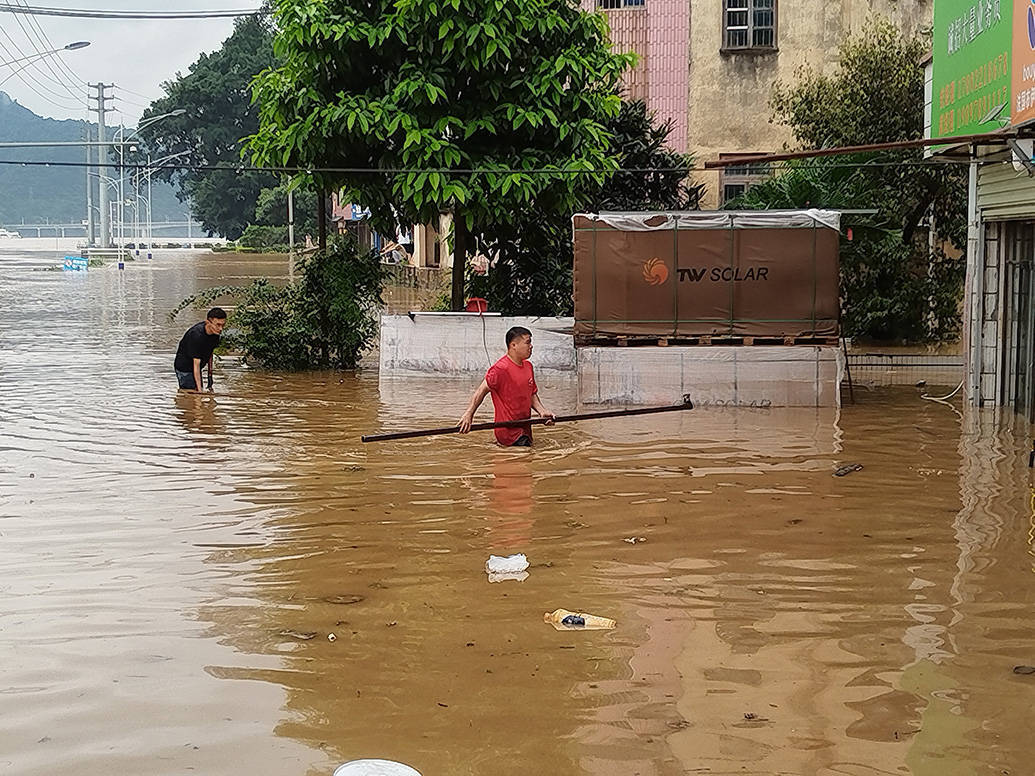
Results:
x,y
173,568
198,413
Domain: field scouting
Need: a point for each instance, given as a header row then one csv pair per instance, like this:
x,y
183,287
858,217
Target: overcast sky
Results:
x,y
136,55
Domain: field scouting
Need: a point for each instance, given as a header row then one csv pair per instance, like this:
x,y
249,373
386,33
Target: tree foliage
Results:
x,y
216,97
891,288
877,96
426,90
326,318
271,209
895,286
531,272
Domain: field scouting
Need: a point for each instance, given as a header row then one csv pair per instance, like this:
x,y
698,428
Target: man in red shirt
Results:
x,y
511,382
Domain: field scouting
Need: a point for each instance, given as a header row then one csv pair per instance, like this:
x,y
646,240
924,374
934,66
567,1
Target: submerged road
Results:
x,y
172,569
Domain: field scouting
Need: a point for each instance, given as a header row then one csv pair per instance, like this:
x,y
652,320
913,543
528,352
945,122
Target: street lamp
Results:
x,y
122,160
79,44
150,170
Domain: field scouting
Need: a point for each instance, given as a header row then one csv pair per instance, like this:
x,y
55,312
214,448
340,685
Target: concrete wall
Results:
x,y
455,344
437,344
798,376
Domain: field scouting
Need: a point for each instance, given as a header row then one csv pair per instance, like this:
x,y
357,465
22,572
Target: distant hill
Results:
x,y
55,194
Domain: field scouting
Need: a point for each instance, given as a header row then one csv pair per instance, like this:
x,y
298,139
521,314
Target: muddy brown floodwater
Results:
x,y
171,569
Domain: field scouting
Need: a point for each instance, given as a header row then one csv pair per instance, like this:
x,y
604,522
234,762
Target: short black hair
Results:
x,y
216,312
517,331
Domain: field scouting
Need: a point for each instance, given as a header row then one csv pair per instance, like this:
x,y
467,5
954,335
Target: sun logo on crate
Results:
x,y
1031,26
654,271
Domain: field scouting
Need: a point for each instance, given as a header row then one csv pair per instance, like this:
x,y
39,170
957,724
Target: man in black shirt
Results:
x,y
195,349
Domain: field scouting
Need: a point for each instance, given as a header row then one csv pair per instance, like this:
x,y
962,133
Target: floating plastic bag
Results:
x,y
510,567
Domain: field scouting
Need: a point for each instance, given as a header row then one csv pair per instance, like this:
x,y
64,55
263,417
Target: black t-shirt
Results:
x,y
195,344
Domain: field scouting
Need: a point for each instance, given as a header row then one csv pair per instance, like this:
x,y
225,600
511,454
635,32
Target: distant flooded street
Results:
x,y
236,585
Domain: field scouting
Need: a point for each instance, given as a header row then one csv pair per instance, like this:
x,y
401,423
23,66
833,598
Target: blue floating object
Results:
x,y
75,264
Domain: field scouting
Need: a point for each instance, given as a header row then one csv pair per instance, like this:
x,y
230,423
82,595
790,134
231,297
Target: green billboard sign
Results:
x,y
971,66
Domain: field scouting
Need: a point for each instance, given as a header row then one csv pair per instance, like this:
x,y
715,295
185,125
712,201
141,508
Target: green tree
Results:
x,y
421,92
877,96
271,209
894,285
326,318
531,273
216,97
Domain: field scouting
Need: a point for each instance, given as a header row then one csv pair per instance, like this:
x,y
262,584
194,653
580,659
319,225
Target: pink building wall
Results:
x,y
659,32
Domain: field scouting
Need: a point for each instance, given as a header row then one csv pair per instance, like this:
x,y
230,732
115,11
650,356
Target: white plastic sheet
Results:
x,y
719,219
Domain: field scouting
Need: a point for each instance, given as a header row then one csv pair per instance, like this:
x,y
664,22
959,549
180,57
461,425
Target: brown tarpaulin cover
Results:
x,y
707,274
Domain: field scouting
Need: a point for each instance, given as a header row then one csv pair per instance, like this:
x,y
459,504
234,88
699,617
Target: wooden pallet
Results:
x,y
586,340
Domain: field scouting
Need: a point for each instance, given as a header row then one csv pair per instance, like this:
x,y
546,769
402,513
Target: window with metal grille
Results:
x,y
731,191
611,5
748,24
736,179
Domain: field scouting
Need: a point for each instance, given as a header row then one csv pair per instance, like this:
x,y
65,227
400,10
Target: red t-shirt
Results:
x,y
512,388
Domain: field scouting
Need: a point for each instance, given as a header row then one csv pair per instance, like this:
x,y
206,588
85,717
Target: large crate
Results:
x,y
698,274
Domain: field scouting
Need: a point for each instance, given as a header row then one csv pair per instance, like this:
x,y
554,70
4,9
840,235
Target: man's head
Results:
x,y
215,320
519,343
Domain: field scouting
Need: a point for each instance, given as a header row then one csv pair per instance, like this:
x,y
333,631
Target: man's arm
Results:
x,y
472,407
209,373
543,412
197,374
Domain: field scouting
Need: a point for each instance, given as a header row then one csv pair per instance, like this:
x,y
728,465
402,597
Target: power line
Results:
x,y
240,169
76,81
137,94
35,10
129,101
34,31
35,85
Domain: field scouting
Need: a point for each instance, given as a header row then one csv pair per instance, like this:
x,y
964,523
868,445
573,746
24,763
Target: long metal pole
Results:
x,y
686,405
148,206
136,213
90,233
121,210
975,286
991,138
102,169
291,223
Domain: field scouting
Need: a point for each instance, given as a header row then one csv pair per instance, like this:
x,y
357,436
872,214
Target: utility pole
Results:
x,y
91,235
102,159
291,233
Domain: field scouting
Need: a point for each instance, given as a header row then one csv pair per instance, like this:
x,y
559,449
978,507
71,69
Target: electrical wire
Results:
x,y
37,86
74,79
137,94
947,396
134,103
242,168
31,31
36,10
24,73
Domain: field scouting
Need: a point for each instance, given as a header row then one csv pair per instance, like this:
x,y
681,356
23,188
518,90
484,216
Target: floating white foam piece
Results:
x,y
511,564
374,768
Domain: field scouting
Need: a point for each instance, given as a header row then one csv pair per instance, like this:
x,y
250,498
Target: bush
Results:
x,y
326,318
264,237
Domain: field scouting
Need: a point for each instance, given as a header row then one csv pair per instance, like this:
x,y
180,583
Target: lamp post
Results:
x,y
150,169
27,61
121,133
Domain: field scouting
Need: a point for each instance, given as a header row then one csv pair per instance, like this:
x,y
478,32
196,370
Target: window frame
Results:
x,y
746,175
620,5
750,47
